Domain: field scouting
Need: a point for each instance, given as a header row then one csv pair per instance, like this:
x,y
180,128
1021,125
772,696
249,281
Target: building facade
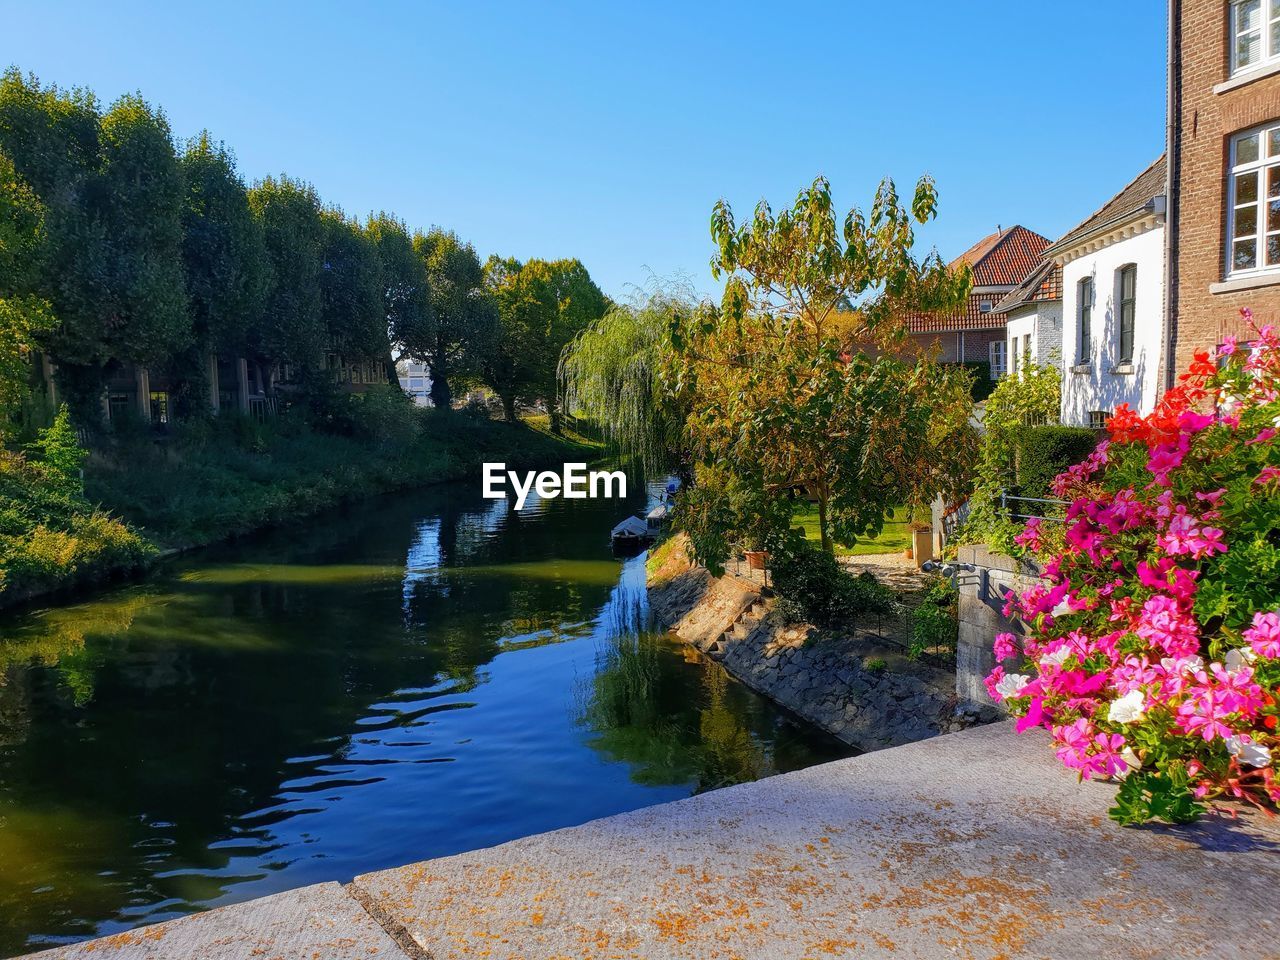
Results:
x,y
977,334
1033,319
1113,303
415,380
1224,148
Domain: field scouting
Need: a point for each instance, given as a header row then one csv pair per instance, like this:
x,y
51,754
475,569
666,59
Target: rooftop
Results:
x,y
1000,261
1137,197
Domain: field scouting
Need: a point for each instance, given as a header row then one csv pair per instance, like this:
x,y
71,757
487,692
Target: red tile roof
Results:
x,y
1004,259
1044,284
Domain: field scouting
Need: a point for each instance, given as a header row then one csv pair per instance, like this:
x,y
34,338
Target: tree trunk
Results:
x,y
509,407
553,413
441,395
827,546
393,375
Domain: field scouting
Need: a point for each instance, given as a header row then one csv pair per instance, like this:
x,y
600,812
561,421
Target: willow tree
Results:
x,y
799,378
611,374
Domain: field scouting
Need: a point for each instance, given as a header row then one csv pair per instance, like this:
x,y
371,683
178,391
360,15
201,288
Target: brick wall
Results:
x,y
1206,122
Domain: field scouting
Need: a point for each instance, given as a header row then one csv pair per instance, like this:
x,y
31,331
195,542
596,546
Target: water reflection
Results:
x,y
424,675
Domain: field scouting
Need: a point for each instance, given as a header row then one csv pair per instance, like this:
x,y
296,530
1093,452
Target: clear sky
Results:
x,y
605,130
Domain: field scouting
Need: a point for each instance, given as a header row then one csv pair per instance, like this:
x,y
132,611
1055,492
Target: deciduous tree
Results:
x,y
795,378
463,322
405,292
291,327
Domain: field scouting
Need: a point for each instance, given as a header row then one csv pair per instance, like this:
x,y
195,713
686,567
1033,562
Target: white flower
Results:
x,y
1175,665
1131,758
1236,659
1128,708
1010,684
1057,658
1249,753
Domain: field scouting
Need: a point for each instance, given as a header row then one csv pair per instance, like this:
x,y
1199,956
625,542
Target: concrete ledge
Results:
x,y
322,922
975,845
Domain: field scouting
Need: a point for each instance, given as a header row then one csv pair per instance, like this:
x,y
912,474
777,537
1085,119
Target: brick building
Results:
x,y
1000,263
1224,153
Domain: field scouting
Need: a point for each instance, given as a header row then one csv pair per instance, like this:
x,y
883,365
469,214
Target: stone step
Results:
x,y
742,630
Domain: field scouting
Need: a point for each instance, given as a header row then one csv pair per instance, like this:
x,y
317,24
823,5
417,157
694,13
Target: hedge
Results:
x,y
1044,452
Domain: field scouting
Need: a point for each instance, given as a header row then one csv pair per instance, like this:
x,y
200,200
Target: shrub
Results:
x,y
934,623
983,385
813,587
875,664
1044,452
1153,650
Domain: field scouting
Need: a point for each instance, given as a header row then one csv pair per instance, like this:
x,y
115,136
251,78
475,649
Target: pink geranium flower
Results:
x,y
1264,635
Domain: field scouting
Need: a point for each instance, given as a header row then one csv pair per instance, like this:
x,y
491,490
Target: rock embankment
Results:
x,y
854,685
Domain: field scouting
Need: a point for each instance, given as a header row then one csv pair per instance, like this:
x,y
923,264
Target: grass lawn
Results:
x,y
894,538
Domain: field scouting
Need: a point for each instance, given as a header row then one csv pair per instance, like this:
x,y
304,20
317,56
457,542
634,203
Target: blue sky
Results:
x,y
606,130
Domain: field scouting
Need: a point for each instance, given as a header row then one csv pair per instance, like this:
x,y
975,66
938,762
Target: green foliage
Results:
x,y
405,290
611,375
542,306
935,622
23,314
1146,795
816,587
1044,452
292,325
352,296
875,664
1030,398
58,450
50,535
223,251
463,325
796,382
983,386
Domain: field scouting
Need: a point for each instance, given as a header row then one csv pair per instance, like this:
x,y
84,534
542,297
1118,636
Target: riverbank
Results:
x,y
975,845
147,497
856,685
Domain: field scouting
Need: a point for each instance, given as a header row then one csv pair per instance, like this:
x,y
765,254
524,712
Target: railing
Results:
x,y
1006,508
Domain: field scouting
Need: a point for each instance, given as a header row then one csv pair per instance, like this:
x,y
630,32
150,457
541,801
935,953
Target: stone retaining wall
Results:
x,y
982,599
822,678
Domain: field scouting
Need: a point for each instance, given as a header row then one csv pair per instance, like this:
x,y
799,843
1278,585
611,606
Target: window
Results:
x,y
1098,419
985,305
1085,290
159,406
1254,189
997,357
1255,33
1128,302
1026,351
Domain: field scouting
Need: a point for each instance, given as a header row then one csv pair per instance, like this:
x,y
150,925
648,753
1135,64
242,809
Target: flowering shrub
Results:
x,y
1153,648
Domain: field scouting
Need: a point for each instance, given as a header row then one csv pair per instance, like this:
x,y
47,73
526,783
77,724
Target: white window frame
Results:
x,y
1268,38
998,348
1266,166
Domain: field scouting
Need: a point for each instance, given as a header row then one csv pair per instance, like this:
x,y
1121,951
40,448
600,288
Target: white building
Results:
x,y
1033,314
415,380
1113,303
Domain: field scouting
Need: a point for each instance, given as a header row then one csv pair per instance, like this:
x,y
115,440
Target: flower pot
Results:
x,y
756,559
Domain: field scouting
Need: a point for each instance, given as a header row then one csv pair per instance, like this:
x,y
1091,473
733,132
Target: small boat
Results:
x,y
631,535
656,517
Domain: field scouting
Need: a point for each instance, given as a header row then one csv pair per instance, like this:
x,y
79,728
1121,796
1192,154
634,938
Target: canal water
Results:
x,y
417,677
